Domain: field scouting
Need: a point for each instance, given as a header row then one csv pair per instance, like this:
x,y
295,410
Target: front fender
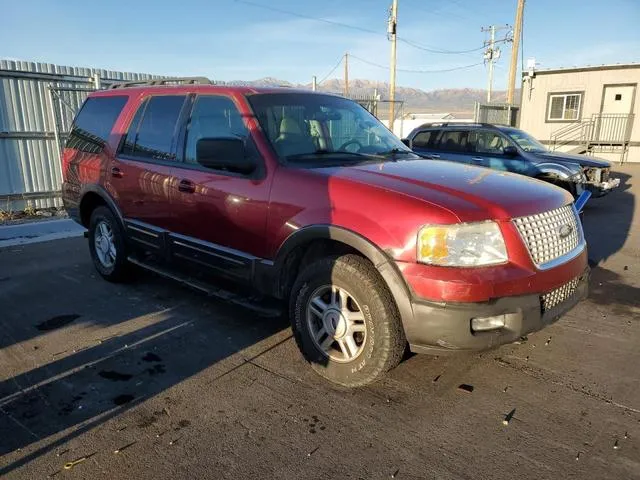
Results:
x,y
564,171
383,263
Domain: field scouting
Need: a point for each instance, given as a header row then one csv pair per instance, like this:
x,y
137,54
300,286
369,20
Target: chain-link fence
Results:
x,y
497,113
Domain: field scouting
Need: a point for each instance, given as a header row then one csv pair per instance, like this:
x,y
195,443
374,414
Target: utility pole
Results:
x,y
346,74
391,32
491,54
513,68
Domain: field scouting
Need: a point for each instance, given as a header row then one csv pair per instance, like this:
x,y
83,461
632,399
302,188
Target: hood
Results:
x,y
583,160
471,193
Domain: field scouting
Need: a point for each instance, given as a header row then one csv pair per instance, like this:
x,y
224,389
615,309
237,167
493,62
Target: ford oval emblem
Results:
x,y
564,231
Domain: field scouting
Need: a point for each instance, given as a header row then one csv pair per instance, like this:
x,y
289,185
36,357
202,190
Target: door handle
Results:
x,y
433,155
116,172
477,159
186,186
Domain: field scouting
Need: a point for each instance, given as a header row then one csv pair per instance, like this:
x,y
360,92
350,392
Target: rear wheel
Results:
x,y
107,245
345,321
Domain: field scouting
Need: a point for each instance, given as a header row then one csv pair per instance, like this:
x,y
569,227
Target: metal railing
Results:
x,y
572,134
611,128
605,132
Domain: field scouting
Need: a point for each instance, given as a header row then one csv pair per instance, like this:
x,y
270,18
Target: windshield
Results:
x,y
526,141
323,129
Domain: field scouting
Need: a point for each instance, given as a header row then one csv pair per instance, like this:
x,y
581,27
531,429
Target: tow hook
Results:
x,y
580,202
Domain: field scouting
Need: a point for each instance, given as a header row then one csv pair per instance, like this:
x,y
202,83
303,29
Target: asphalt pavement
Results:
x,y
152,380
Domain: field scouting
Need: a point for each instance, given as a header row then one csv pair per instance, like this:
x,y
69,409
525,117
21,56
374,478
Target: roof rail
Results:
x,y
458,124
164,81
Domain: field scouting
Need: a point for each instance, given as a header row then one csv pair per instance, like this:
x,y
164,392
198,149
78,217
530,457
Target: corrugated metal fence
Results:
x,y
30,113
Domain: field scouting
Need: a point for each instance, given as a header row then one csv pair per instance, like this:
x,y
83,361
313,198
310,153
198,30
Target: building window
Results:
x,y
564,106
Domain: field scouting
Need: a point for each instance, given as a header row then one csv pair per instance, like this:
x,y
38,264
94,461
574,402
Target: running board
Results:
x,y
263,306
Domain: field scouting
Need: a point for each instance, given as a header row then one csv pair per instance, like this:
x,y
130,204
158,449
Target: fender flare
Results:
x,y
106,197
383,263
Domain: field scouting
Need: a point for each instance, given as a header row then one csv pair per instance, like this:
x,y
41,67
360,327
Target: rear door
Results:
x,y
452,144
143,171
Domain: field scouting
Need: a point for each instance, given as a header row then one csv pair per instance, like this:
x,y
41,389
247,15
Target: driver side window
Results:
x,y
212,117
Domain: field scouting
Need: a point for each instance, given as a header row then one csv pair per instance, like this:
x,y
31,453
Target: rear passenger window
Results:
x,y
422,139
453,141
152,131
94,122
213,117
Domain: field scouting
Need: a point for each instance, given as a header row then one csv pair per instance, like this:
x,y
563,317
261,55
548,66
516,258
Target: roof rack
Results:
x,y
164,81
466,124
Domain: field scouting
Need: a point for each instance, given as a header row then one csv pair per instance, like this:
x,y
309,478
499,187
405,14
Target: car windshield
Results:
x,y
316,129
525,141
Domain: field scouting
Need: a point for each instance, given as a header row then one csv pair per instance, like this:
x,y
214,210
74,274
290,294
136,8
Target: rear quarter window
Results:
x,y
94,122
423,139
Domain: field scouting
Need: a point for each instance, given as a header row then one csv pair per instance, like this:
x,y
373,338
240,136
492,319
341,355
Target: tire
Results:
x,y
378,344
118,268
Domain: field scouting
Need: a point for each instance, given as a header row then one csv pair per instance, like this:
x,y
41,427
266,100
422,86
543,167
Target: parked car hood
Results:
x,y
583,160
471,193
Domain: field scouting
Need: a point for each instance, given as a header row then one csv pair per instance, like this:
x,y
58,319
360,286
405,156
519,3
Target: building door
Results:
x,y
613,124
618,99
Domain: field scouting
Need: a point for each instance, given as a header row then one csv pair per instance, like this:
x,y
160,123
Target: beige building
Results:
x,y
590,110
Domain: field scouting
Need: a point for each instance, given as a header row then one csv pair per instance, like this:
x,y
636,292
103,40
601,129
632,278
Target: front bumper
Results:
x,y
444,328
600,189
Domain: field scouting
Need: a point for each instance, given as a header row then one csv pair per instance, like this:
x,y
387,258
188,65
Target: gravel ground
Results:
x,y
151,380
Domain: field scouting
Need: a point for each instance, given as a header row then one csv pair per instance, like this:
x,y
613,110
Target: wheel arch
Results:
x,y
93,196
558,170
314,241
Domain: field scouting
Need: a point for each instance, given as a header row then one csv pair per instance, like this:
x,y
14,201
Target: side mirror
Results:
x,y
227,153
407,142
510,151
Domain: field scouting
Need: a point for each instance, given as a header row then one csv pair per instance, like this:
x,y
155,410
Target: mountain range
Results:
x,y
452,100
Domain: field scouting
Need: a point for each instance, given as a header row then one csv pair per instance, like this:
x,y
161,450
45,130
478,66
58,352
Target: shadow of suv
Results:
x,y
254,194
513,150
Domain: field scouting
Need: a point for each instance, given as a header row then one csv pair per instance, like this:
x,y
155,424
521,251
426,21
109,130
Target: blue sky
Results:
x,y
232,40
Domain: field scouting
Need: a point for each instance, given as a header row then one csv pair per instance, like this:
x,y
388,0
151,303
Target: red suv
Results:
x,y
308,198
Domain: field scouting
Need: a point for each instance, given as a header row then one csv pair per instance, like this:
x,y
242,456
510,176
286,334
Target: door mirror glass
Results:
x,y
224,154
510,151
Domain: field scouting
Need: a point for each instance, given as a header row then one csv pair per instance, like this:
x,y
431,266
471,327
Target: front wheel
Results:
x,y
345,321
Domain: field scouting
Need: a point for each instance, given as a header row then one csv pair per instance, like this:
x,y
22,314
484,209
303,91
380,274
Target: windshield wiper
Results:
x,y
325,153
395,151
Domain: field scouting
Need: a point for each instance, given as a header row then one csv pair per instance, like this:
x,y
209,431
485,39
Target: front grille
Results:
x,y
550,235
559,295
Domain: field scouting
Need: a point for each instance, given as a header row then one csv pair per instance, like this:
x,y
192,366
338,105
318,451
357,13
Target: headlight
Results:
x,y
463,245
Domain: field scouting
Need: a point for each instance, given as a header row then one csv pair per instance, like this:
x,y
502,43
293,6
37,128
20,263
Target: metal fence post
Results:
x,y
56,129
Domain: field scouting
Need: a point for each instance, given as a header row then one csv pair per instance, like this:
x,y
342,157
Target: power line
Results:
x,y
410,70
332,70
308,17
354,27
431,50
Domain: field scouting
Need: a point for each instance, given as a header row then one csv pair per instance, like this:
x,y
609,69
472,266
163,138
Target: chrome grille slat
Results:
x,y
559,295
541,234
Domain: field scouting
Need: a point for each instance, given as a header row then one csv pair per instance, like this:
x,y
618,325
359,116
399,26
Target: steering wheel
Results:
x,y
353,141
